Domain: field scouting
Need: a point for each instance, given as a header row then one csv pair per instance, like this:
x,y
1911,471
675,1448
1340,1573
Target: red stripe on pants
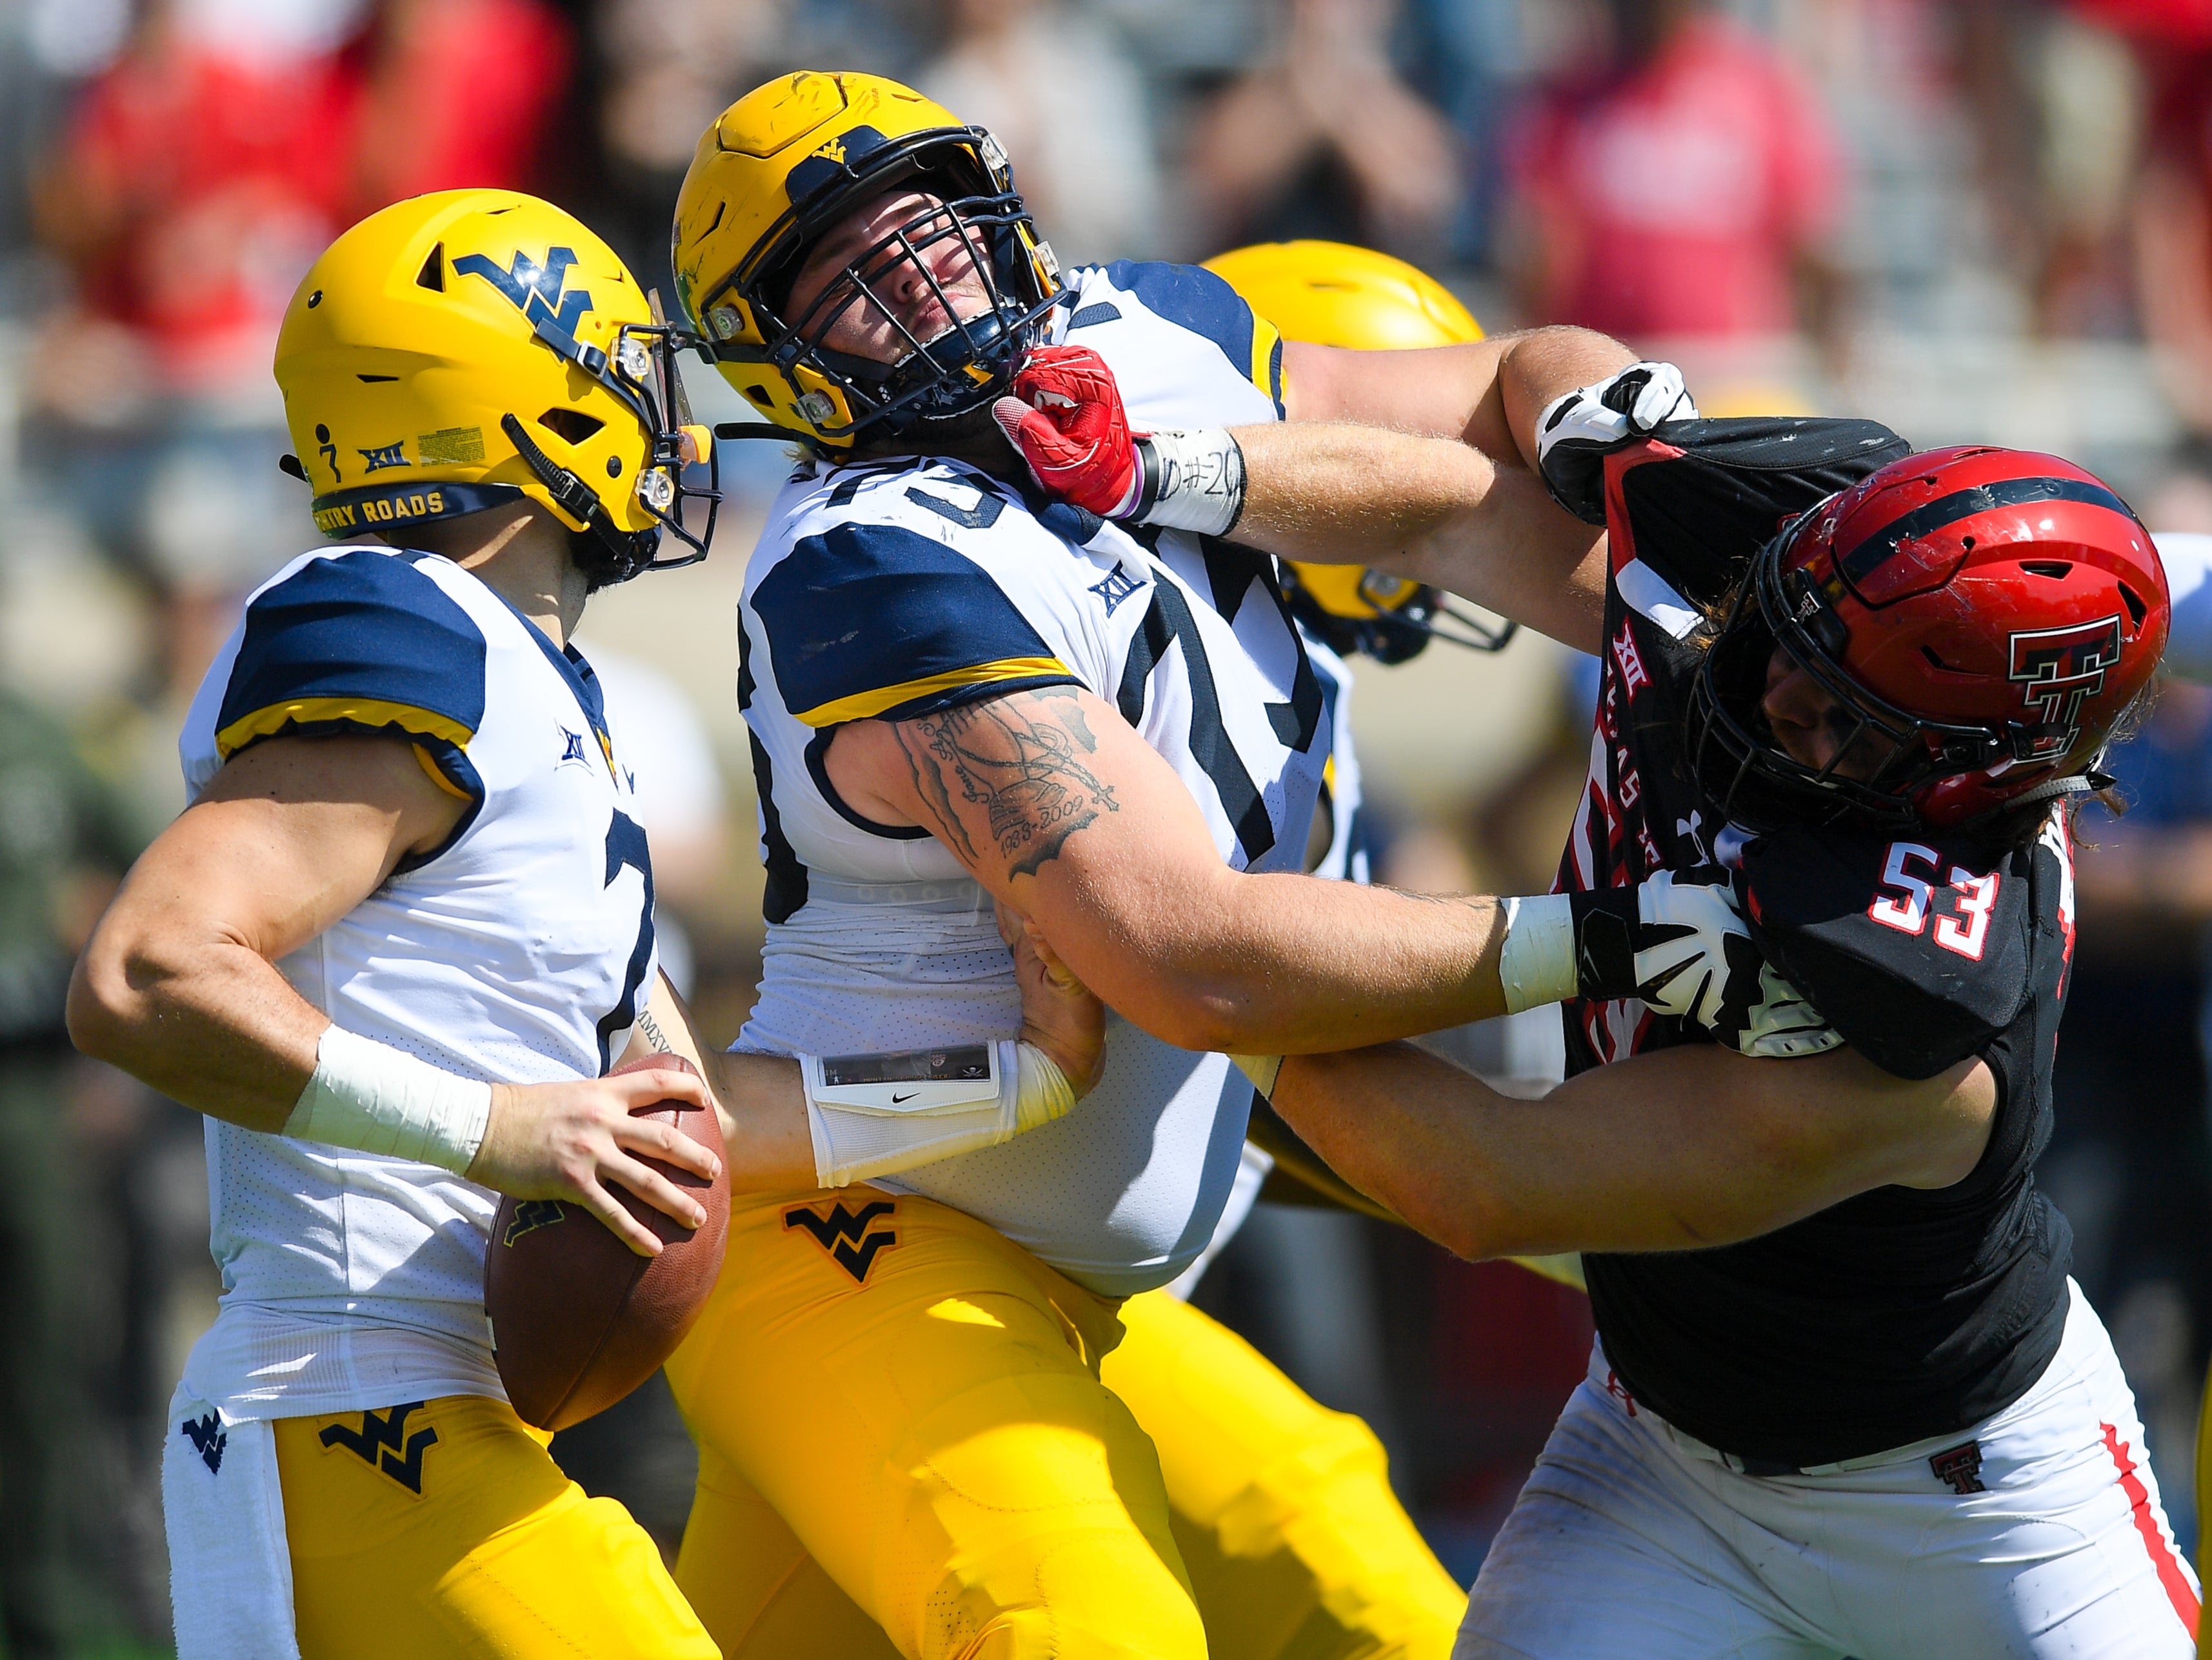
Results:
x,y
2169,1573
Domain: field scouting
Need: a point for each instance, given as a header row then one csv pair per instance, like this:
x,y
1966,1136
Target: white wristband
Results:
x,y
1536,962
373,1098
1191,481
1262,1069
878,1115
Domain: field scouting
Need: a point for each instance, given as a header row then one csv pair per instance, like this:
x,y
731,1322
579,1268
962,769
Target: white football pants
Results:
x,y
2041,1535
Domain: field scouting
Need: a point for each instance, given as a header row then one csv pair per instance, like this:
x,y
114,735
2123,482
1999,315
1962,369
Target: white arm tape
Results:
x,y
889,1124
1536,962
373,1098
1191,481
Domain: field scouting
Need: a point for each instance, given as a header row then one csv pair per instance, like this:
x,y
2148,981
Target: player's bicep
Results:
x,y
1057,806
759,1098
288,837
1016,784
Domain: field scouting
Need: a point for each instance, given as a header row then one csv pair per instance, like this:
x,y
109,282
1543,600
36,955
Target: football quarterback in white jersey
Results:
x,y
959,691
397,938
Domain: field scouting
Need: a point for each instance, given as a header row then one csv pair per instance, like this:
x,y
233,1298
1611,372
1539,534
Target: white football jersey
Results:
x,y
518,952
1345,856
899,588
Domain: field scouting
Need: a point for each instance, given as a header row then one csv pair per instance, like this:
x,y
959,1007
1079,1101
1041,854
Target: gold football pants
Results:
x,y
1296,1548
452,1533
918,1399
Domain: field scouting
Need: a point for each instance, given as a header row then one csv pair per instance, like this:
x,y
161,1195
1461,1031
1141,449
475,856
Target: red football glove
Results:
x,y
1067,420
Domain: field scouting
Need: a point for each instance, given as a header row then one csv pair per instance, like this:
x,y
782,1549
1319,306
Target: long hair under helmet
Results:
x,y
1332,294
460,351
784,166
1982,617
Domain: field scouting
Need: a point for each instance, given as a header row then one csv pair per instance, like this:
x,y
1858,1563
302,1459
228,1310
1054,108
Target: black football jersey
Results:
x,y
1900,1314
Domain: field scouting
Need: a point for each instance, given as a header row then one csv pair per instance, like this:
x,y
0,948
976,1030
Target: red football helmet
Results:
x,y
1982,615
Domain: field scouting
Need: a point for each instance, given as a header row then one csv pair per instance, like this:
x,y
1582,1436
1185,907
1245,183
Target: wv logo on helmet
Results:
x,y
533,290
2058,668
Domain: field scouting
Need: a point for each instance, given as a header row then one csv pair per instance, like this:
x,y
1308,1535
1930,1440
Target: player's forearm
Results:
x,y
759,1098
1287,964
1338,493
205,1020
1679,1150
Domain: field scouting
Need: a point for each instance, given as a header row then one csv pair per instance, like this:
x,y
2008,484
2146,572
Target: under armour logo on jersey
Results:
x,y
1687,829
388,456
384,1444
572,748
2058,668
533,1214
1961,1466
845,1236
533,290
208,1435
1118,585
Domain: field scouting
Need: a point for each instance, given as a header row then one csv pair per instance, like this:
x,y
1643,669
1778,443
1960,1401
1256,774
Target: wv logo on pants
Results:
x,y
845,1236
384,1444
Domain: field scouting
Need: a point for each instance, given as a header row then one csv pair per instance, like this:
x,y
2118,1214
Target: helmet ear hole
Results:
x,y
572,425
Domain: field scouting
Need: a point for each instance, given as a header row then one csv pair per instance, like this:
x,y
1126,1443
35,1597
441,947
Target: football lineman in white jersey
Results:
x,y
399,934
958,690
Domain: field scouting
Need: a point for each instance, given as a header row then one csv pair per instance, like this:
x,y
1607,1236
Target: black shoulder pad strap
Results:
x,y
1915,950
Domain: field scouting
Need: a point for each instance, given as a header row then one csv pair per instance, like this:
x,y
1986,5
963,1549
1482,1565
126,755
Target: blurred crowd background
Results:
x,y
1973,219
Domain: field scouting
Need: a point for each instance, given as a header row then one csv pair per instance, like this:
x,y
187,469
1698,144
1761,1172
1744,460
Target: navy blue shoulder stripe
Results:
x,y
1195,298
868,620
363,641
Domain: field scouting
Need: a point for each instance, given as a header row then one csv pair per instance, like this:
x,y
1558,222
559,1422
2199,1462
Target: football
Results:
x,y
578,1319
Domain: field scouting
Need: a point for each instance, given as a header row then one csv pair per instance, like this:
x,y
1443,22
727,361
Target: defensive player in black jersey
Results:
x,y
1844,1400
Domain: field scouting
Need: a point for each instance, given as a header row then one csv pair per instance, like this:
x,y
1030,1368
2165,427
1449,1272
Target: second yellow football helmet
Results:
x,y
1331,294
784,166
455,351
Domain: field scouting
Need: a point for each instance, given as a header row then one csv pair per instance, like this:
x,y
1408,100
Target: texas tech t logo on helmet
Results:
x,y
2057,669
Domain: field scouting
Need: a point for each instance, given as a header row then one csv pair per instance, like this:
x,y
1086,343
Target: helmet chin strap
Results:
x,y
575,498
2051,789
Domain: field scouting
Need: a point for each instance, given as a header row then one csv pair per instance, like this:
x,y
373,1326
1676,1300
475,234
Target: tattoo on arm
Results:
x,y
1016,758
650,1030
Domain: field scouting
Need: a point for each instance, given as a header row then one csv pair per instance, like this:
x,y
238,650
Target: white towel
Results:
x,y
230,1568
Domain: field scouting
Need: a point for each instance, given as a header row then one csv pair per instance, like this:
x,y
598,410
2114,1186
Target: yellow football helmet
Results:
x,y
1330,294
786,163
458,351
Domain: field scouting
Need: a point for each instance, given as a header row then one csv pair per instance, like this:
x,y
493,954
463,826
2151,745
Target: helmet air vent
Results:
x,y
2136,609
433,274
374,379
2056,570
572,425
